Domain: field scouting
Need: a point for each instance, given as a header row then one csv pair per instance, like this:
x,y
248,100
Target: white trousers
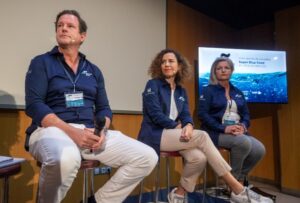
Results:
x,y
61,158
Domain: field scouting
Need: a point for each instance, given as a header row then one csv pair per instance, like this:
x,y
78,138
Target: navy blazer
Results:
x,y
156,111
212,106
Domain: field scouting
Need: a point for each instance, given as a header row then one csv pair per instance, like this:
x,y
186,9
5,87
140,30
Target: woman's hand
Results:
x,y
178,126
186,133
235,130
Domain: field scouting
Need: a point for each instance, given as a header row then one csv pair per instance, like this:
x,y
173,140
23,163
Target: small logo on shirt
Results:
x,y
86,73
238,96
149,91
201,97
181,98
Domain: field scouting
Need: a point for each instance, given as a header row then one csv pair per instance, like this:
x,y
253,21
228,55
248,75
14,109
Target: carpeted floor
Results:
x,y
192,198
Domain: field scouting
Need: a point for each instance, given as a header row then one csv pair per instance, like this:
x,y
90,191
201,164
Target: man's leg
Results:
x,y
134,159
60,160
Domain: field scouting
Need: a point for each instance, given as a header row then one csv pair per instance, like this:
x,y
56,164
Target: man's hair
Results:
x,y
184,70
82,23
213,78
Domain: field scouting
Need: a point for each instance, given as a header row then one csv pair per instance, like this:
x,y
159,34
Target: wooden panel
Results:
x,y
287,38
128,124
188,29
262,130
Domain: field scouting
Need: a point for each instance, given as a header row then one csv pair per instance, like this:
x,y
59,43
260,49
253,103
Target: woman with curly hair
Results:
x,y
168,126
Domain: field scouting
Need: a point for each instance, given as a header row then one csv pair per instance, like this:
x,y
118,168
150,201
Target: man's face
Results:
x,y
67,31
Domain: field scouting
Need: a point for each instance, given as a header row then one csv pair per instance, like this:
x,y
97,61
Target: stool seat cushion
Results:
x,y
86,164
169,154
10,170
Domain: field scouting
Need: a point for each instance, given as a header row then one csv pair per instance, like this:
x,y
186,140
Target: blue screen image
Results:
x,y
259,74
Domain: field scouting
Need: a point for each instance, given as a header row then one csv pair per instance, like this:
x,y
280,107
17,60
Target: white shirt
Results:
x,y
173,109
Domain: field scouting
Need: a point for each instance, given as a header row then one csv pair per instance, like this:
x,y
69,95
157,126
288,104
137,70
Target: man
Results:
x,y
64,94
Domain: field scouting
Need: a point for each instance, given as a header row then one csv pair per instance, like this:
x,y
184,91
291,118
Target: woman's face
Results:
x,y
169,65
223,71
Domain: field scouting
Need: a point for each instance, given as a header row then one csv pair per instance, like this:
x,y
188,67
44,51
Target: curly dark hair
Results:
x,y
82,23
184,70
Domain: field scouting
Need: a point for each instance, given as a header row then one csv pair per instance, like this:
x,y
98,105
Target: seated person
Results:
x,y
65,93
168,126
224,114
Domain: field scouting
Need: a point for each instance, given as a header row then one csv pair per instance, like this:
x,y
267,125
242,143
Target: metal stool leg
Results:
x,y
85,186
5,190
91,171
204,185
141,191
168,174
157,182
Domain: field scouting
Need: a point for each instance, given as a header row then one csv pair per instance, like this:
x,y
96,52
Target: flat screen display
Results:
x,y
259,74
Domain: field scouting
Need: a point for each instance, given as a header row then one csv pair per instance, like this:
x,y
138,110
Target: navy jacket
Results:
x,y
212,106
47,82
156,111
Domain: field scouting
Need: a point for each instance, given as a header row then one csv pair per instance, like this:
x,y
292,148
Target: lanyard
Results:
x,y
229,104
70,77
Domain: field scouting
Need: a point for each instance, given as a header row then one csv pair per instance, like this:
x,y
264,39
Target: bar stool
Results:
x,y
88,167
167,156
5,173
88,170
204,187
216,191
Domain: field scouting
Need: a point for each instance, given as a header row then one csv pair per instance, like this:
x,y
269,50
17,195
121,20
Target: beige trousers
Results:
x,y
199,150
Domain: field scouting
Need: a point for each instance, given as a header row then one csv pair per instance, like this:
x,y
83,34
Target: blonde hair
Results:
x,y
213,78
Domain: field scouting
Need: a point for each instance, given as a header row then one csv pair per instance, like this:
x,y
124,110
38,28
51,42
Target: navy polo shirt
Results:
x,y
47,82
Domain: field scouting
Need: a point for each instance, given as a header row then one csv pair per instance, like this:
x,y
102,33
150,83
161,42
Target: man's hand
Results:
x,y
84,138
92,141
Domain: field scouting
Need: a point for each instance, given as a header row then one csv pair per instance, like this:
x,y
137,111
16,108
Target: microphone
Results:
x,y
99,125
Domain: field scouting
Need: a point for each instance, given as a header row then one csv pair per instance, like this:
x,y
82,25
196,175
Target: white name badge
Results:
x,y
74,99
229,119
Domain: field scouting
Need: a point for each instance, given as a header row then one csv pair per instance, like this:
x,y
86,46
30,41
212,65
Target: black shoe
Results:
x,y
263,193
91,199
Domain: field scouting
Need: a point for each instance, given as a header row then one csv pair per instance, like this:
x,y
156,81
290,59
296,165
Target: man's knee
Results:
x,y
65,161
148,160
151,158
70,162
